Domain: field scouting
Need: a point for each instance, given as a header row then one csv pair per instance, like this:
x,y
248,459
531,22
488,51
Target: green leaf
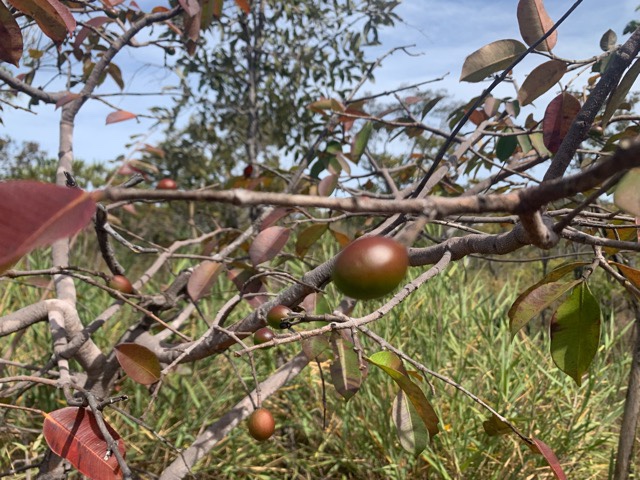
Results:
x,y
116,74
575,333
360,142
308,237
494,426
345,369
535,299
506,146
392,365
619,94
489,59
627,193
540,80
412,432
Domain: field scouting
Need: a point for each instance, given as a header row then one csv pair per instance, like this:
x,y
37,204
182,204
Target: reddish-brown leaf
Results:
x,y
138,362
248,287
89,26
534,22
202,279
558,118
34,214
267,244
73,434
544,450
52,17
119,116
327,185
217,8
11,45
540,80
244,5
70,97
275,215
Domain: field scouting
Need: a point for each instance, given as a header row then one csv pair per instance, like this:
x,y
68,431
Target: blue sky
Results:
x,y
444,32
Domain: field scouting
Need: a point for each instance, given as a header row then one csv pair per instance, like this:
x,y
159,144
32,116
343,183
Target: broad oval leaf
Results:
x,y
627,193
268,243
54,19
73,434
11,45
119,116
608,40
544,450
317,348
202,279
327,185
540,80
138,362
535,299
491,58
558,118
360,142
308,237
620,93
534,22
575,333
345,369
412,432
35,214
506,146
392,365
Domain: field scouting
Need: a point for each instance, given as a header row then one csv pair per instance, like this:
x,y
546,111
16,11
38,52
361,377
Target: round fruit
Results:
x,y
370,267
121,283
167,184
276,316
261,424
263,335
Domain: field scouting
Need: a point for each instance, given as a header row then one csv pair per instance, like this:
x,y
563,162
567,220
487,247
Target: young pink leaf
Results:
x,y
138,362
534,22
558,118
119,116
34,214
73,434
540,80
490,59
52,17
11,45
202,279
267,244
544,450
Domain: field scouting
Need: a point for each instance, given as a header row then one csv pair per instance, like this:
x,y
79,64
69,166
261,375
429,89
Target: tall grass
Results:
x,y
456,325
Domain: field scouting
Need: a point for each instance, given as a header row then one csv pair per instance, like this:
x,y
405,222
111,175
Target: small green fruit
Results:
x,y
276,316
121,284
263,335
261,424
370,267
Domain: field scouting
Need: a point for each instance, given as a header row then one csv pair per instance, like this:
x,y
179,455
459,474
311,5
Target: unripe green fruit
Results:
x,y
370,267
121,283
261,424
276,315
263,335
167,184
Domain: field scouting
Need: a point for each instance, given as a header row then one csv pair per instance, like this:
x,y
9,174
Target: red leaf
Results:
x,y
73,434
34,214
558,118
202,279
138,362
52,17
95,22
11,45
244,5
544,450
267,244
70,97
119,116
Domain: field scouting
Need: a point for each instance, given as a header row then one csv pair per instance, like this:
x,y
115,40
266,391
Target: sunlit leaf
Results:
x,y
540,80
138,362
360,142
575,333
631,274
620,93
54,19
490,59
34,214
534,22
345,369
119,116
202,279
627,193
268,243
73,434
412,432
11,45
608,40
558,118
309,236
392,365
544,450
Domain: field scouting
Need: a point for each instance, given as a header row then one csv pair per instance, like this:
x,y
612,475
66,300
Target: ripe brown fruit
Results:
x,y
370,267
167,184
276,315
121,283
263,335
261,424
